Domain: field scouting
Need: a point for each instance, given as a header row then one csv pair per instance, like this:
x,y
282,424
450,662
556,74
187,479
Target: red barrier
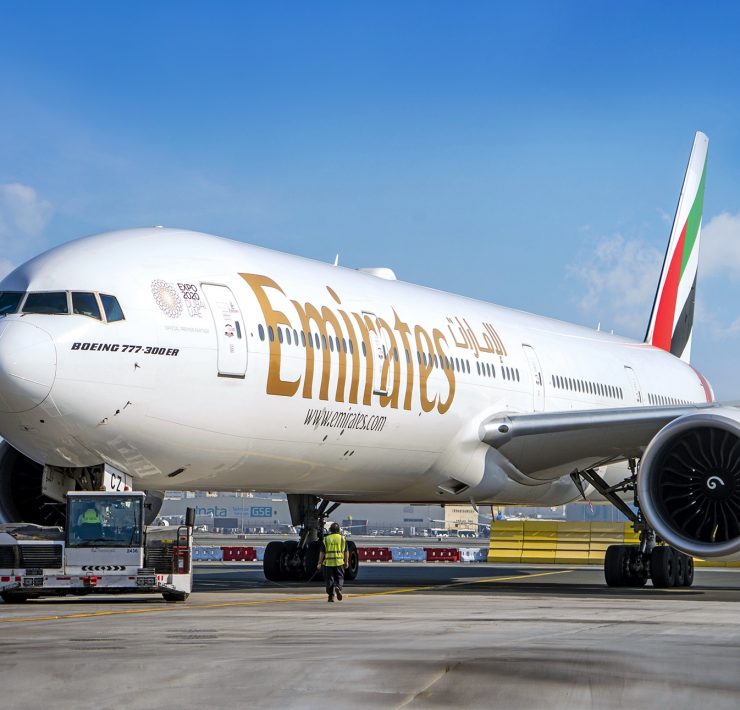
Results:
x,y
442,554
230,553
374,554
239,554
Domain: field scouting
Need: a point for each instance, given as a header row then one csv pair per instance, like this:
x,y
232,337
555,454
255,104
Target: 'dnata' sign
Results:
x,y
395,379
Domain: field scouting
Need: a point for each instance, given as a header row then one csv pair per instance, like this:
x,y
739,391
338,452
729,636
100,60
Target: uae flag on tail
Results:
x,y
672,320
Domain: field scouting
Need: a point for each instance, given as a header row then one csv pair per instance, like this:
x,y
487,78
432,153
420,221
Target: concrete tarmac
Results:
x,y
405,636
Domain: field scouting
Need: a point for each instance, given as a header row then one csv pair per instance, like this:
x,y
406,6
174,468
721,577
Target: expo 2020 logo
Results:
x,y
167,298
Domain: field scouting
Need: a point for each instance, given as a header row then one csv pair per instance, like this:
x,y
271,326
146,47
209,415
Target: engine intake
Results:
x,y
689,484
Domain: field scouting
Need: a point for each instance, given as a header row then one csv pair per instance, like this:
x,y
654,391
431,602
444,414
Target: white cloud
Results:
x,y
720,246
23,218
620,277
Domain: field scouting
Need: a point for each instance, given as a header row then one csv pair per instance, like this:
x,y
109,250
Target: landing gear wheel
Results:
x,y
271,561
663,567
615,563
288,566
13,598
637,569
688,571
354,561
680,570
175,596
311,560
624,566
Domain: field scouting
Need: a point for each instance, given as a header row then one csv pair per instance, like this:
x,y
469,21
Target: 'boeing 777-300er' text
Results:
x,y
168,359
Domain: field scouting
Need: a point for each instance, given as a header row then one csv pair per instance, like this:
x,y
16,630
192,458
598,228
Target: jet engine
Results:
x,y
689,484
22,500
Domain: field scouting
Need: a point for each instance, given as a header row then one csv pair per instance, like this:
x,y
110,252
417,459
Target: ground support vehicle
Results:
x,y
105,548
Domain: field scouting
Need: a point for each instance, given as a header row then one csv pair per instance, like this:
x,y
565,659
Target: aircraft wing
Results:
x,y
543,444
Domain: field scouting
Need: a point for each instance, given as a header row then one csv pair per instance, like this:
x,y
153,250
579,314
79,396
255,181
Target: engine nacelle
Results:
x,y
689,484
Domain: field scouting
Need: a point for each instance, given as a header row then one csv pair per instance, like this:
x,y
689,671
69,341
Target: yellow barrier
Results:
x,y
507,541
546,541
572,544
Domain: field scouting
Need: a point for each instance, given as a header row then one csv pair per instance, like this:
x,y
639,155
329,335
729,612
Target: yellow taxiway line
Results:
x,y
263,602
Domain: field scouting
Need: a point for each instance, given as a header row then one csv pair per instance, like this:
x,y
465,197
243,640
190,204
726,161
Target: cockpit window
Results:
x,y
112,310
50,303
9,301
85,304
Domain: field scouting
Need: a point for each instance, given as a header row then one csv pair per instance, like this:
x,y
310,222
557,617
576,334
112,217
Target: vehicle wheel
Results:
x,y
354,561
13,597
288,567
688,579
311,560
175,596
615,565
271,561
680,569
663,567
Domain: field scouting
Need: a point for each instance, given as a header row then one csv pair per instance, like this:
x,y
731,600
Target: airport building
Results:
x,y
268,513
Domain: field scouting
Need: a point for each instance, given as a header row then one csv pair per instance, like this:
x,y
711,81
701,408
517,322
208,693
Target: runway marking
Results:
x,y
263,602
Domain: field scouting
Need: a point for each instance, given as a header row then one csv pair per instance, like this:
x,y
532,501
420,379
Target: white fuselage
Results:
x,y
203,385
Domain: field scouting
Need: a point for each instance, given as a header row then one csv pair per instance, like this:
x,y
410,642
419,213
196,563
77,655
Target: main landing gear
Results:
x,y
296,561
632,565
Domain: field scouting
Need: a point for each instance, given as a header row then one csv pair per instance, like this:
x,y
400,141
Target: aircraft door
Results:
x,y
634,382
380,352
538,384
231,335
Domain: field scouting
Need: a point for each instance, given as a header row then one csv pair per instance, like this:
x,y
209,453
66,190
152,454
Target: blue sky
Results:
x,y
529,155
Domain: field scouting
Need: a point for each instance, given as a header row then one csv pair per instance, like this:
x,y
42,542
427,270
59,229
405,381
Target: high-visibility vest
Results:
x,y
90,517
334,546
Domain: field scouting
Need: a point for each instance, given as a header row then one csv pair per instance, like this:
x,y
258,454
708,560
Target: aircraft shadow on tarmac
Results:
x,y
463,581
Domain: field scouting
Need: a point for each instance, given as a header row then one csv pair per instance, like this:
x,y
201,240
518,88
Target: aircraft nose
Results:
x,y
28,366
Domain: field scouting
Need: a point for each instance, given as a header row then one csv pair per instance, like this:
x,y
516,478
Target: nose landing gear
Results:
x,y
296,561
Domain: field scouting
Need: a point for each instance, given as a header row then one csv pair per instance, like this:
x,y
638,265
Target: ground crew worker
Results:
x,y
90,524
334,558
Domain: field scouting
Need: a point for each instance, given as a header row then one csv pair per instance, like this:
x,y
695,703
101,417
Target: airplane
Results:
x,y
161,358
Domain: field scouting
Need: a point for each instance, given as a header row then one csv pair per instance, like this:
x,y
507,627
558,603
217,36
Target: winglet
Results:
x,y
672,320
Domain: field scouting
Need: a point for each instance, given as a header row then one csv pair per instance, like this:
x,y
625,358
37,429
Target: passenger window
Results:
x,y
9,301
261,331
112,310
85,304
50,303
271,333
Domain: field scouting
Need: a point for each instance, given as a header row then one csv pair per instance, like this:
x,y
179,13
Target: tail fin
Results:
x,y
672,320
